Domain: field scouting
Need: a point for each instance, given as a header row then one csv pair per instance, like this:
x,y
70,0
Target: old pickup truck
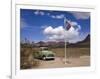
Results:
x,y
44,54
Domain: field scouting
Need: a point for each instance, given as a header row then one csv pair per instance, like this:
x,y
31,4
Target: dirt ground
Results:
x,y
77,57
60,62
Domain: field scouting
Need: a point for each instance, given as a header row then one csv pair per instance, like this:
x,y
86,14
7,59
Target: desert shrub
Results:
x,y
27,58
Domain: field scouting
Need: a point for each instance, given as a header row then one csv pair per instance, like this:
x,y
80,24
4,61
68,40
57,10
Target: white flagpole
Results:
x,y
65,41
65,52
66,58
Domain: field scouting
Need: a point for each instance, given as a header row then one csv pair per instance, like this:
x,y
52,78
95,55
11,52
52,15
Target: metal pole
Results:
x,y
66,58
65,41
65,52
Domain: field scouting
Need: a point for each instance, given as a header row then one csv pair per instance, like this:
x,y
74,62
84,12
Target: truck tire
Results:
x,y
44,57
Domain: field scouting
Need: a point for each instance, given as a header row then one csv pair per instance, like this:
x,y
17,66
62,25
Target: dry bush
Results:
x,y
27,58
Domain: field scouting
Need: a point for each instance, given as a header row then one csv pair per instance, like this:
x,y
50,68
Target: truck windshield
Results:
x,y
45,49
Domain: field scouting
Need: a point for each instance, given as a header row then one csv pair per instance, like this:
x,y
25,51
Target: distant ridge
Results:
x,y
52,44
84,43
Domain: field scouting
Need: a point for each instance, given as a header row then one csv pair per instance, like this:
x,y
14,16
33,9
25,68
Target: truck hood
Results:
x,y
47,52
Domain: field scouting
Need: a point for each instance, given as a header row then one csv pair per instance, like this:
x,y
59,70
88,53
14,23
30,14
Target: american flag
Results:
x,y
67,24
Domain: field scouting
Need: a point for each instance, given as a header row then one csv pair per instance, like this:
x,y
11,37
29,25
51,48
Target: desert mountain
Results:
x,y
83,43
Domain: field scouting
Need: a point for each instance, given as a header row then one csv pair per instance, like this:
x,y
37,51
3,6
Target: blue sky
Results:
x,y
33,23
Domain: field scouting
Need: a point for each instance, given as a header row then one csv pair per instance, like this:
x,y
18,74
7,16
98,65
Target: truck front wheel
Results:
x,y
44,57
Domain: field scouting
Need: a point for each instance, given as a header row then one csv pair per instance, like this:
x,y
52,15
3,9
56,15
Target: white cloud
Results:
x,y
60,16
81,15
36,12
52,16
39,12
75,25
60,34
57,16
48,14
